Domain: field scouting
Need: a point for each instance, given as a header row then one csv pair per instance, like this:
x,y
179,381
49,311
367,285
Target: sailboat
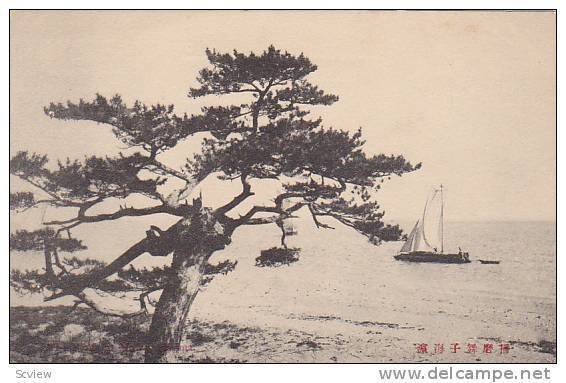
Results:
x,y
425,243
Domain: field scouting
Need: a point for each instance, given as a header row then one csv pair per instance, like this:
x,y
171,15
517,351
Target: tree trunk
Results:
x,y
169,319
195,242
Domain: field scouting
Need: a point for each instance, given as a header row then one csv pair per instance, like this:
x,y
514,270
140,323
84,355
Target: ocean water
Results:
x,y
527,251
340,275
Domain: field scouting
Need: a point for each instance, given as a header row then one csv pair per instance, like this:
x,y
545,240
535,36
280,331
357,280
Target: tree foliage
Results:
x,y
276,256
21,200
37,240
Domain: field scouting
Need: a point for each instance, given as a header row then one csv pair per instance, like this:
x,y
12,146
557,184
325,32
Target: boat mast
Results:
x,y
441,220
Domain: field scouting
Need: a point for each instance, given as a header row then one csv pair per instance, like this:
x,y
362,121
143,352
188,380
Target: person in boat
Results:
x,y
464,256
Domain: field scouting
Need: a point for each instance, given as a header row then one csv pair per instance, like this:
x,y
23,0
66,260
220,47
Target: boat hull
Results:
x,y
423,256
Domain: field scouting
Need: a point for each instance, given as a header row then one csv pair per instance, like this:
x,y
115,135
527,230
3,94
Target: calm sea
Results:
x,y
527,251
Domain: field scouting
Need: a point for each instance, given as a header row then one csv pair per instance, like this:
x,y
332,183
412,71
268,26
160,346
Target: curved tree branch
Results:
x,y
181,211
156,245
173,172
246,192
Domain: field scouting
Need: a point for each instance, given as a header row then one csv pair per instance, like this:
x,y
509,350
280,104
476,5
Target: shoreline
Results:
x,y
86,337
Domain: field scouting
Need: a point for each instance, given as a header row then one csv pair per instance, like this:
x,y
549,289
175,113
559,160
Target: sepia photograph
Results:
x,y
282,186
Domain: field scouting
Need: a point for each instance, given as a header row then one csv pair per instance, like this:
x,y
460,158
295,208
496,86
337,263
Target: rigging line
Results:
x,y
441,224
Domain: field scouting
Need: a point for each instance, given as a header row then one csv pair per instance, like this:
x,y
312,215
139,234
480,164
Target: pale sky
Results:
x,y
471,95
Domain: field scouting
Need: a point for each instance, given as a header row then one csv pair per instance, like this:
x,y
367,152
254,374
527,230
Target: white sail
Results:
x,y
421,243
432,222
408,245
427,233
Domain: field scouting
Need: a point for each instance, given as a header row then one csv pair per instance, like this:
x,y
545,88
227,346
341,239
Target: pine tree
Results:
x,y
268,136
